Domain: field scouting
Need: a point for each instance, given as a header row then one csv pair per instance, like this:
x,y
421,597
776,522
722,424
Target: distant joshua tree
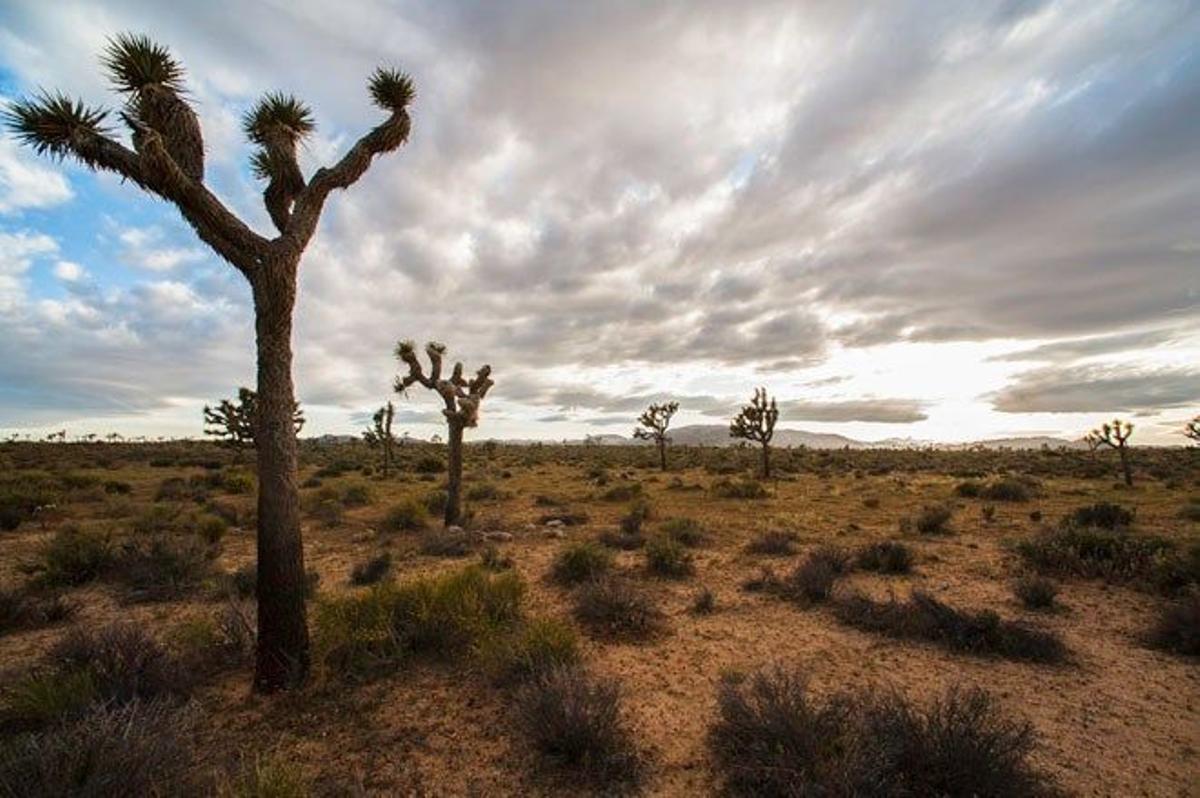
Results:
x,y
652,426
380,434
1115,435
462,400
1192,430
167,160
756,423
234,422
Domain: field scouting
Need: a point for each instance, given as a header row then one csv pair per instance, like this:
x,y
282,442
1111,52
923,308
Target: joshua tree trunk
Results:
x,y
662,454
454,475
283,658
1125,469
766,461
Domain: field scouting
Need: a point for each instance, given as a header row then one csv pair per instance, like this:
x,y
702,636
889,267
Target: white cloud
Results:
x,y
146,248
27,182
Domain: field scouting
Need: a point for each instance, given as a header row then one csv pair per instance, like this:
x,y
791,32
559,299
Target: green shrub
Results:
x,y
447,543
738,489
1103,515
267,777
41,699
74,556
1035,592
212,529
668,557
1095,552
407,516
774,543
537,646
238,484
370,571
1009,490
934,519
704,602
1177,628
357,495
622,493
886,557
124,662
579,562
429,464
485,492
435,501
686,531
163,568
19,610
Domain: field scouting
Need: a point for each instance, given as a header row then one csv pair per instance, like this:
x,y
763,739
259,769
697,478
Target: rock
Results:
x,y
498,537
454,530
554,523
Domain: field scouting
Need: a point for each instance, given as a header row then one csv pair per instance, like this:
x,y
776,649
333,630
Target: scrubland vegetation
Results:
x,y
856,625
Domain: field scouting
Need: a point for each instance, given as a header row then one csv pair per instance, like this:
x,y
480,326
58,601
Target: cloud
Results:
x,y
27,182
1075,348
881,411
146,248
1098,389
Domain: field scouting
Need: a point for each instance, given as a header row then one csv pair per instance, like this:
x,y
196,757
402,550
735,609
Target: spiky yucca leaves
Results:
x,y
391,90
54,124
277,123
152,80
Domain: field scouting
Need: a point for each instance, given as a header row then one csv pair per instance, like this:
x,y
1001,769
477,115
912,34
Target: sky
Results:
x,y
931,220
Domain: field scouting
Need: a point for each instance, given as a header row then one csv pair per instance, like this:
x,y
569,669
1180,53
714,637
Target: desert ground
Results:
x,y
1113,709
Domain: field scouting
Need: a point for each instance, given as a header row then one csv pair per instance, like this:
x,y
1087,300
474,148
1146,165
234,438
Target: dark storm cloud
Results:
x,y
1088,389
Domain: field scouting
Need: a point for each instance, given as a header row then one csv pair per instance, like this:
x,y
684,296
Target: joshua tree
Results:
x,y
652,426
235,422
1192,430
166,158
462,400
756,422
380,434
1116,436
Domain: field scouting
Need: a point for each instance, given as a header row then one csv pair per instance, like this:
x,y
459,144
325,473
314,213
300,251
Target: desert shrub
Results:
x,y
357,495
138,749
1103,515
934,519
212,529
923,617
429,464
42,698
447,543
267,776
1191,510
21,610
370,571
775,543
21,495
886,557
617,608
1009,489
811,582
74,556
622,493
622,538
545,500
1035,592
576,721
765,581
125,663
407,516
443,616
704,602
1095,552
971,489
485,492
536,647
686,531
668,557
772,738
738,489
116,487
325,506
1177,628
162,568
579,562
491,558
840,560
237,483
435,501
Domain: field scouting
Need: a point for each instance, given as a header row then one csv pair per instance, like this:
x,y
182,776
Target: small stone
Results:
x,y
554,522
498,537
454,530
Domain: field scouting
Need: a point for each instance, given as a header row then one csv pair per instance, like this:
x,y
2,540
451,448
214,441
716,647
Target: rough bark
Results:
x,y
1125,468
662,454
766,460
454,475
283,651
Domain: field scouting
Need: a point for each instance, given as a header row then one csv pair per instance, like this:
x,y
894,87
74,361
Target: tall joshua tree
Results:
x,y
1192,430
234,421
756,423
462,400
165,157
1115,435
380,434
652,426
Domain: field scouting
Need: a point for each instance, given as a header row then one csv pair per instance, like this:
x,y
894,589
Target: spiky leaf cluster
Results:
x,y
391,89
278,115
52,123
134,62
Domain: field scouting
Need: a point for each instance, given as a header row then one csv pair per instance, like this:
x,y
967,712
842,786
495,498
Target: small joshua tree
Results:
x,y
1192,430
1115,435
756,423
165,157
234,422
652,426
380,434
462,400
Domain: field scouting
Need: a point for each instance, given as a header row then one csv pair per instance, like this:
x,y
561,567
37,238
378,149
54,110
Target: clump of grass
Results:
x,y
1035,592
492,559
774,543
738,489
687,531
576,721
74,556
447,543
42,698
923,617
267,776
536,647
704,602
485,492
1010,489
934,519
408,516
772,737
1102,515
443,616
435,501
1115,555
617,608
1177,628
886,557
163,568
137,749
22,610
124,662
809,583
839,560
579,562
622,493
668,557
372,570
